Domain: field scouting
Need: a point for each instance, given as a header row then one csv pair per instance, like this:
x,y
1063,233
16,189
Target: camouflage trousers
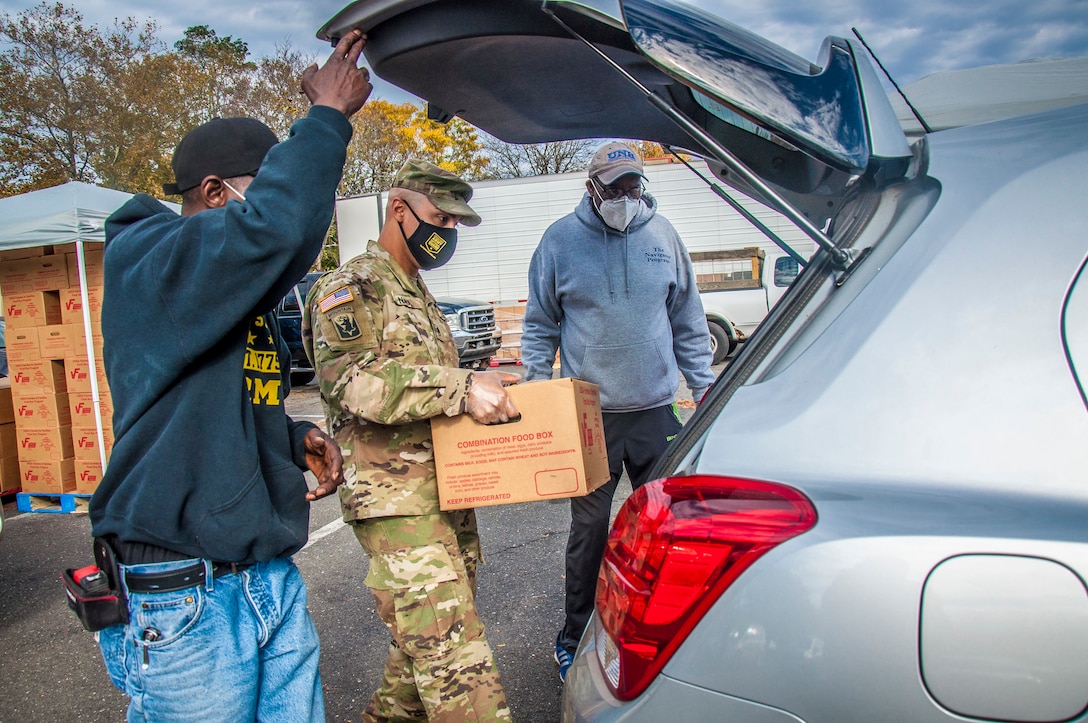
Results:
x,y
423,577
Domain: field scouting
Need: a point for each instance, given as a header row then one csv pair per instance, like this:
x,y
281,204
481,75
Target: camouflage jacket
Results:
x,y
386,363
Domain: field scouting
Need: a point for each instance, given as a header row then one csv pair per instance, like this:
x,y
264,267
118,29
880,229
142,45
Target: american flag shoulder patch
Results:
x,y
341,296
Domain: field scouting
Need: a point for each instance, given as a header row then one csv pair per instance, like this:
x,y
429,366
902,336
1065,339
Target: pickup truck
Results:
x,y
289,314
475,331
738,287
477,335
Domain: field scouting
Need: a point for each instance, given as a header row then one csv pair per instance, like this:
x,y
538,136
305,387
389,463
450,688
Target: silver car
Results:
x,y
880,512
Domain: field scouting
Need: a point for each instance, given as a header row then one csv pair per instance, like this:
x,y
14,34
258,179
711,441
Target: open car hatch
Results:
x,y
792,134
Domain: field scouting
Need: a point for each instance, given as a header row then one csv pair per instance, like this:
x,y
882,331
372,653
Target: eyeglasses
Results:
x,y
609,193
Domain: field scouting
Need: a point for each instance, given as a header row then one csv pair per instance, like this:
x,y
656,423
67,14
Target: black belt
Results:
x,y
173,580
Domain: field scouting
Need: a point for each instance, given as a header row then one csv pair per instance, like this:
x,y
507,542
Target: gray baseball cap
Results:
x,y
613,160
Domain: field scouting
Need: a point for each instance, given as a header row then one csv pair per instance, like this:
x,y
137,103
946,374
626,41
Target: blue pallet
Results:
x,y
58,504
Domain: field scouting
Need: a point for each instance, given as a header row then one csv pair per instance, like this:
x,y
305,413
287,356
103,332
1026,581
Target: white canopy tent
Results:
x,y
71,213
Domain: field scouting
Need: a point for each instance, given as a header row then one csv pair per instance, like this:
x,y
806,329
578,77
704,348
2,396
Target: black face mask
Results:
x,y
431,246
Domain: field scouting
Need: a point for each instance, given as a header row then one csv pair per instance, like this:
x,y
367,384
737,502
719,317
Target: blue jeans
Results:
x,y
240,647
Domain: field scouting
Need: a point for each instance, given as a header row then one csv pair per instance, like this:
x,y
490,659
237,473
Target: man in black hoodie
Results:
x,y
204,500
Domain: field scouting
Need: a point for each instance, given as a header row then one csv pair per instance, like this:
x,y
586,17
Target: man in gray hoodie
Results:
x,y
612,287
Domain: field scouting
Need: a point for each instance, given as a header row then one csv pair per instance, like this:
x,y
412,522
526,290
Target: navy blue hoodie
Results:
x,y
205,461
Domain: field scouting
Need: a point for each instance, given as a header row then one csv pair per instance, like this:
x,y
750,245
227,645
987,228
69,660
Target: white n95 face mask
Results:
x,y
619,212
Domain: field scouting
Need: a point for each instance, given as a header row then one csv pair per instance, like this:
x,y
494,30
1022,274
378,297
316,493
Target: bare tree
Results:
x,y
509,160
272,92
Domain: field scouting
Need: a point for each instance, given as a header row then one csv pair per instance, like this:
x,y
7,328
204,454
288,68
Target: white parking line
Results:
x,y
324,532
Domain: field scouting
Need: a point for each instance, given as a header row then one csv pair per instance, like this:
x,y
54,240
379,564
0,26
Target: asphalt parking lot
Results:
x,y
52,670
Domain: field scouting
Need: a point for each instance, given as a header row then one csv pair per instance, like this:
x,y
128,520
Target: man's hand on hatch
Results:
x,y
340,83
324,459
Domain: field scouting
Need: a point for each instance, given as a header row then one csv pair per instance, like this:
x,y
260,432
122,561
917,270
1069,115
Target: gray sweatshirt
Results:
x,y
621,307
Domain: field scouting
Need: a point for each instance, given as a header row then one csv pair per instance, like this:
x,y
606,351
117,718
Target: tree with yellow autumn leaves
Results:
x,y
107,106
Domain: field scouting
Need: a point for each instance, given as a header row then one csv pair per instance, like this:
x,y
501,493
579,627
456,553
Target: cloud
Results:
x,y
922,37
261,25
912,39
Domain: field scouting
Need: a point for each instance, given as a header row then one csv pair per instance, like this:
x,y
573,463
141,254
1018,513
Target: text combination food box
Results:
x,y
555,450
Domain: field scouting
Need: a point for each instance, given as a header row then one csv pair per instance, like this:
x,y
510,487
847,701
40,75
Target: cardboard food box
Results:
x,y
7,406
77,374
23,345
36,308
555,450
88,474
48,477
51,444
92,260
40,273
66,340
70,305
9,474
82,407
8,443
42,375
41,410
85,443
23,253
54,341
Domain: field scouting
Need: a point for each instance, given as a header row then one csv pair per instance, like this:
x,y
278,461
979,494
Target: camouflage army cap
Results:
x,y
445,190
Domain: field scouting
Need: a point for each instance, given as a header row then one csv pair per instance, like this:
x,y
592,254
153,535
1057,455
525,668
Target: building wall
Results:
x,y
492,259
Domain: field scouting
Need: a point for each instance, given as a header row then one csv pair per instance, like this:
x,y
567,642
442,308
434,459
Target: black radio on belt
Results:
x,y
94,592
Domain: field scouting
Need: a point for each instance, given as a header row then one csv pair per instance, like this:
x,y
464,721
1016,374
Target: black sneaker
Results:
x,y
563,658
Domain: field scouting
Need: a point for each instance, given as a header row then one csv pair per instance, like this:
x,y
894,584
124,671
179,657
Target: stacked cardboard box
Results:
x,y
509,320
9,462
58,449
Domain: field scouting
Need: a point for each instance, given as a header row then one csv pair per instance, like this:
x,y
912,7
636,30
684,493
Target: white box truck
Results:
x,y
492,259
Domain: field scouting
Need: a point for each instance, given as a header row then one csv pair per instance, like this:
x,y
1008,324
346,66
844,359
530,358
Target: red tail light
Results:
x,y
675,547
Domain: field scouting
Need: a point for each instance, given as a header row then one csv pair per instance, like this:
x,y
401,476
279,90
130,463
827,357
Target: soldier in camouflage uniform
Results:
x,y
386,363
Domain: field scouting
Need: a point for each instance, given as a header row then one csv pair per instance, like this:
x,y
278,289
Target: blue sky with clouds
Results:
x,y
912,39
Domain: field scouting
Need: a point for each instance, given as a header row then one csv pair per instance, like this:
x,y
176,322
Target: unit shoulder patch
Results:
x,y
346,325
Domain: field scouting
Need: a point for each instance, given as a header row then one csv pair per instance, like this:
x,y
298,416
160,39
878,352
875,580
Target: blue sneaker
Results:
x,y
563,658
